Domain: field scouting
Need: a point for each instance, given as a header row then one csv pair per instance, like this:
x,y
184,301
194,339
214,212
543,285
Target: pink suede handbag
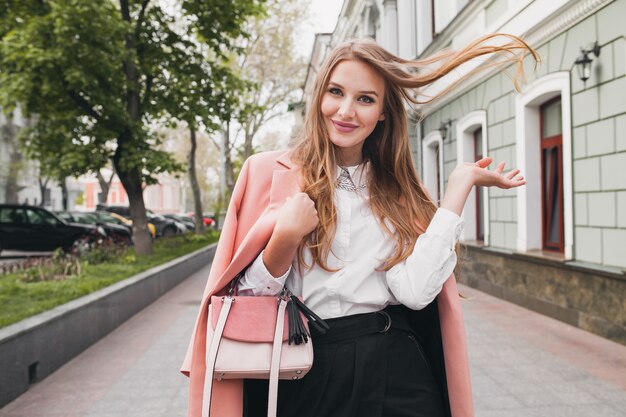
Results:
x,y
249,337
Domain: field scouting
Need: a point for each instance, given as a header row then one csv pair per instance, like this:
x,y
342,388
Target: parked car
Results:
x,y
209,221
117,232
164,227
111,217
30,228
186,221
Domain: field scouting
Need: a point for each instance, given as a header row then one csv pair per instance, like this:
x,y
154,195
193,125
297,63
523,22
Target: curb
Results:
x,y
35,347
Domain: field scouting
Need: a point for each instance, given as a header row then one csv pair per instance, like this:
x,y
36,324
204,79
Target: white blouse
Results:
x,y
359,248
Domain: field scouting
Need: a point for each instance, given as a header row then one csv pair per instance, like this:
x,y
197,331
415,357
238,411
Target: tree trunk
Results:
x,y
64,194
105,186
229,170
247,144
42,189
131,180
130,175
193,179
9,136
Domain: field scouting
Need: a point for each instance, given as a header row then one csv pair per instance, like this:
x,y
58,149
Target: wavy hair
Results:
x,y
396,194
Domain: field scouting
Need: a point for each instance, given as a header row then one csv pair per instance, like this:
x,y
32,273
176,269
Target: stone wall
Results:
x,y
588,298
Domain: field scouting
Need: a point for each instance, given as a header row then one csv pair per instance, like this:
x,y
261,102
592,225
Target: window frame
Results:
x,y
546,143
527,115
465,129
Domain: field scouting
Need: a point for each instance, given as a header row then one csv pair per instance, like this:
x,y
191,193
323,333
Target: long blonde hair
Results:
x,y
396,194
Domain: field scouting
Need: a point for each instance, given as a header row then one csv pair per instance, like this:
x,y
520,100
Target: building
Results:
x,y
557,245
165,197
20,180
21,183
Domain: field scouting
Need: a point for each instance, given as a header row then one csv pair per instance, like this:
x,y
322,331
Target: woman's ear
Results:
x,y
382,117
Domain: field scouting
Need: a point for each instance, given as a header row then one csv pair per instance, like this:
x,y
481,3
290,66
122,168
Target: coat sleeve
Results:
x,y
226,248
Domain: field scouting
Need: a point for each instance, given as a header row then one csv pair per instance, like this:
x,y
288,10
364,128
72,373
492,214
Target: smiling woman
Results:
x,y
343,221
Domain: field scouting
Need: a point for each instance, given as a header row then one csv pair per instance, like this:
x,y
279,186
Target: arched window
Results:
x,y
471,146
544,154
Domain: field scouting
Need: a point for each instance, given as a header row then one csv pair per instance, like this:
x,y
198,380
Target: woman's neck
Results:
x,y
348,157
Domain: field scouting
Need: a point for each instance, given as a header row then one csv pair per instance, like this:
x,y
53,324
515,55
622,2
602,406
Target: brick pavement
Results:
x,y
523,364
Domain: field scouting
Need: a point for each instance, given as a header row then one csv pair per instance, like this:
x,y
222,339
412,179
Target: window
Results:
x,y
443,12
40,217
470,146
544,154
552,174
433,165
480,207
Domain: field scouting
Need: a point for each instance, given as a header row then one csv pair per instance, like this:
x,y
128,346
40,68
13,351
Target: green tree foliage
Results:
x,y
99,74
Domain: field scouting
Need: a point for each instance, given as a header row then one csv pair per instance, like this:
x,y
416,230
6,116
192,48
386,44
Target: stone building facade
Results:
x,y
557,245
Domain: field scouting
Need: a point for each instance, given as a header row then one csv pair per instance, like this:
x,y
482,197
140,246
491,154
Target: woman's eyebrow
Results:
x,y
360,92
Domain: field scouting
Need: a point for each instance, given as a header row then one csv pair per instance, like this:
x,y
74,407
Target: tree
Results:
x,y
105,186
97,74
268,61
177,141
8,134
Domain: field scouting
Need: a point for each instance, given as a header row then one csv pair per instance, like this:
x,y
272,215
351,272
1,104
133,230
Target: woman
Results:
x,y
347,209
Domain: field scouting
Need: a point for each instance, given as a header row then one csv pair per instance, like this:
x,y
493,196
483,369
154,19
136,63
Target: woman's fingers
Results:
x,y
500,168
484,162
513,173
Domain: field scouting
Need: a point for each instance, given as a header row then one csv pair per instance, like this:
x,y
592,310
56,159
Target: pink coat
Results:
x,y
249,223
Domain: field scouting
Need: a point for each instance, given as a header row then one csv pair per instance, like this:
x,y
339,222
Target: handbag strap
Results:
x,y
275,363
212,355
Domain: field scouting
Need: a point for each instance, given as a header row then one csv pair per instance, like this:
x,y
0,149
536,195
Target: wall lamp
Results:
x,y
583,62
444,127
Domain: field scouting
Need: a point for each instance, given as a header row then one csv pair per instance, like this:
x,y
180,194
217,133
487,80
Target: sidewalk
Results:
x,y
523,364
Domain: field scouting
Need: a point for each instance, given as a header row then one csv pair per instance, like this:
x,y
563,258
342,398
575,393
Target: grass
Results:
x,y
20,299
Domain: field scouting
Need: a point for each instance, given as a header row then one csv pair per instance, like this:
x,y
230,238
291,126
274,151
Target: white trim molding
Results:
x,y
465,128
529,216
430,163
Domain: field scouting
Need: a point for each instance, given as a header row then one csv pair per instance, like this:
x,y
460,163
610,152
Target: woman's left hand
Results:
x,y
478,174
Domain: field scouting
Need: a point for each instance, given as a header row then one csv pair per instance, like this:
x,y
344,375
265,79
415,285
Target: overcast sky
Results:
x,y
323,19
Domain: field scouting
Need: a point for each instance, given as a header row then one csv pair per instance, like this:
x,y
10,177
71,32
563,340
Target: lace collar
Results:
x,y
352,178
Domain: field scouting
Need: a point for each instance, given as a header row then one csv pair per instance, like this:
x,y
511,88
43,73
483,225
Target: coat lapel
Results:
x,y
285,183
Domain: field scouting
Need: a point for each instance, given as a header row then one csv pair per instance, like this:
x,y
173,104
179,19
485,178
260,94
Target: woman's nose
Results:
x,y
346,109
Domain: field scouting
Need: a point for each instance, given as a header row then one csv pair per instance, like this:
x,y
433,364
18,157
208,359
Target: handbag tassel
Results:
x,y
314,320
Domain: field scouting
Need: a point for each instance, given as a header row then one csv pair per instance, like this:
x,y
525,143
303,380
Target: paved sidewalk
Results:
x,y
523,364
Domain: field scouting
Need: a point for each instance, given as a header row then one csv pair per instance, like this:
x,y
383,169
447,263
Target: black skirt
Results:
x,y
367,365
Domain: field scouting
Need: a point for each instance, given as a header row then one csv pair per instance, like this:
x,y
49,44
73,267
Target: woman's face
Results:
x,y
351,107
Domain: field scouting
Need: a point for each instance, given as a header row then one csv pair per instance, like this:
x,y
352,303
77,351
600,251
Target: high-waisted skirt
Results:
x,y
367,365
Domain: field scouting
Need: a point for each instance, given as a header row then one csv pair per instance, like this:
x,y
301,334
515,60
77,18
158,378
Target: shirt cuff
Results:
x,y
271,283
446,224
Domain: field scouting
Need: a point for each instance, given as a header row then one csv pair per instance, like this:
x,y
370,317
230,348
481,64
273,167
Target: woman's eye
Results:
x,y
334,91
366,99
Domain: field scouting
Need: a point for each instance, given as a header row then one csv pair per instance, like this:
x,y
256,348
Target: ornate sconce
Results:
x,y
583,62
444,127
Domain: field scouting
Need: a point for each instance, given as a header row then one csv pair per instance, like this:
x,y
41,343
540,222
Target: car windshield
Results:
x,y
65,216
105,217
85,218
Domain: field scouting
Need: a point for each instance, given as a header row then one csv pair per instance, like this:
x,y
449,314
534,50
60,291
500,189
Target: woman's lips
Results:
x,y
344,127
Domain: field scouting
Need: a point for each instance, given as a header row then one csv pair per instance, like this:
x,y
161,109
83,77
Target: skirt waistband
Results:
x,y
356,325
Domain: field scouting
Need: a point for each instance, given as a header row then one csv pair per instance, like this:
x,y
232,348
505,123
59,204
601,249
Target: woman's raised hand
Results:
x,y
296,218
480,175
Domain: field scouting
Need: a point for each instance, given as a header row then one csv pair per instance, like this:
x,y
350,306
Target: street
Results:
x,y
522,364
